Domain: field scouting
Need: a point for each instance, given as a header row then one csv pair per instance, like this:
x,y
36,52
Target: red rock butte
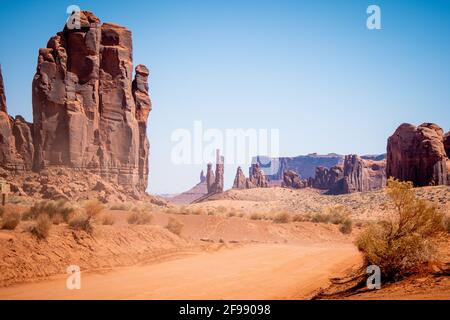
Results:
x,y
88,112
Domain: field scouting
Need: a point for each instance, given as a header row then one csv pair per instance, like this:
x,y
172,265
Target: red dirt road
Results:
x,y
262,271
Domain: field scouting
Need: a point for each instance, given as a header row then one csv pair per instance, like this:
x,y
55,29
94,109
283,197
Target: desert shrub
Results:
x,y
10,219
92,208
346,226
80,221
231,214
41,229
282,217
256,216
337,214
139,217
404,244
198,211
298,218
320,218
56,219
50,208
107,219
221,209
119,206
175,226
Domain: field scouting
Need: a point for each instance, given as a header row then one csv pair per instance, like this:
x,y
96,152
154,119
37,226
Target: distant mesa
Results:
x,y
89,115
419,154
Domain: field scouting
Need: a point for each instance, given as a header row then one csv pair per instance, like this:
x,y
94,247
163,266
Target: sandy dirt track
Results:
x,y
260,271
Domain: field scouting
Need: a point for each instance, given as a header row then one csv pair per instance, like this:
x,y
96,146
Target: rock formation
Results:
x,y
240,181
419,154
447,144
291,179
355,175
215,182
202,177
89,115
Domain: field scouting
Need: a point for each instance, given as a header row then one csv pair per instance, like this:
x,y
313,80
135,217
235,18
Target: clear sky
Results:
x,y
309,68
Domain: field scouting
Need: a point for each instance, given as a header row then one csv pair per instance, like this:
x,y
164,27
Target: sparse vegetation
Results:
x,y
42,226
120,206
80,221
175,226
50,208
10,219
404,244
346,226
93,208
139,217
107,219
446,223
256,216
282,217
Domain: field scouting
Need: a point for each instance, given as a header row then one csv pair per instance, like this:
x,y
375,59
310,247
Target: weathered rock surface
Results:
x,y
215,182
257,177
355,175
291,179
89,115
240,181
419,154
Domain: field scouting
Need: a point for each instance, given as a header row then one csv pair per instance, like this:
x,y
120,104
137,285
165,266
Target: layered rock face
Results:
x,y
16,140
88,111
89,119
327,178
257,179
419,154
355,175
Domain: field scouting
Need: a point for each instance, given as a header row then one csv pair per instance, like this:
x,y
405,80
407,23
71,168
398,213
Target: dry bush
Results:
x,y
56,219
198,211
337,214
221,209
406,243
231,214
120,206
42,226
80,221
175,226
50,208
320,218
282,217
10,219
107,219
139,217
299,218
93,208
256,216
346,226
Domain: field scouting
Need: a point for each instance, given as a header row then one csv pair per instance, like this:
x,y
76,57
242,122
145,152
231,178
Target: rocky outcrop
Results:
x,y
202,177
419,154
291,179
88,112
89,115
215,181
447,144
240,181
355,175
361,175
325,178
257,177
16,141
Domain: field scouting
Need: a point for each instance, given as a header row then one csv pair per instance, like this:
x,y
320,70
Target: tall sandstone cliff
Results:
x,y
419,154
89,114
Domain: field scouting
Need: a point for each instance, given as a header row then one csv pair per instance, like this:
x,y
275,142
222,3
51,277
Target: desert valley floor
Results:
x,y
231,247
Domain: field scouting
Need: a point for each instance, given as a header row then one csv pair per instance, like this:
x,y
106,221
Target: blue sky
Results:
x,y
310,68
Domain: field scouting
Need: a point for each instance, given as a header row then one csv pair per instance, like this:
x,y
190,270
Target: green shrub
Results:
x,y
405,244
